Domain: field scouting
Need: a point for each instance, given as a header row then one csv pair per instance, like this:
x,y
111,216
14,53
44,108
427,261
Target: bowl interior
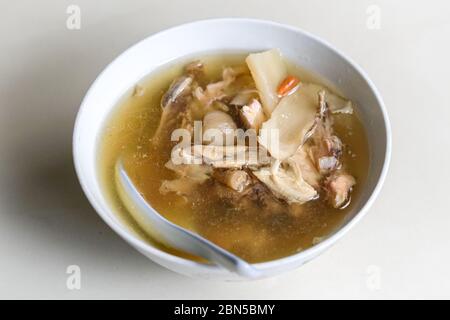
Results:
x,y
230,35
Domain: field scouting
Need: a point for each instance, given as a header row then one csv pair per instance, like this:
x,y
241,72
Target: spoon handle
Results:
x,y
173,235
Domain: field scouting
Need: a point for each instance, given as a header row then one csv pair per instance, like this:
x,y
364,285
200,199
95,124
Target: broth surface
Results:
x,y
253,235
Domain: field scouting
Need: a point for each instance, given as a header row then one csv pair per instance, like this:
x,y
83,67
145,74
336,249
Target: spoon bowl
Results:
x,y
173,235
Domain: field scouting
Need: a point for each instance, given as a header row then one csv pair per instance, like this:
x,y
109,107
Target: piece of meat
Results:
x,y
219,128
174,105
326,148
237,180
309,172
196,172
252,115
217,90
338,187
286,183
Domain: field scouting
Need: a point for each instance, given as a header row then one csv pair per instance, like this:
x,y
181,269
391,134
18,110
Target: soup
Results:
x,y
273,161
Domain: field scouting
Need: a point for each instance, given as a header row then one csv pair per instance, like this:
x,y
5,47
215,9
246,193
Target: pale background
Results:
x,y
399,250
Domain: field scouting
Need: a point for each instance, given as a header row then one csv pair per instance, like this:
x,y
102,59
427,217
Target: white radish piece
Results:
x,y
283,133
294,116
268,70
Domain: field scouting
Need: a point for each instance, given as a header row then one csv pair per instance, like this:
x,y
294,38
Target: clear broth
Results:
x,y
253,235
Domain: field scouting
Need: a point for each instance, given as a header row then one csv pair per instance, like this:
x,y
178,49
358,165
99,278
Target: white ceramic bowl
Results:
x,y
235,35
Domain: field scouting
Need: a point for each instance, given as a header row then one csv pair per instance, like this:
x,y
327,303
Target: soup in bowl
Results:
x,y
267,142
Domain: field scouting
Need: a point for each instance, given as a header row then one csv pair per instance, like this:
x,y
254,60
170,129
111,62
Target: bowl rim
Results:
x,y
303,255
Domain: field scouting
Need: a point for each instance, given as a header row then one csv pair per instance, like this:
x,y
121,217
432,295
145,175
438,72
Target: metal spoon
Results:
x,y
173,235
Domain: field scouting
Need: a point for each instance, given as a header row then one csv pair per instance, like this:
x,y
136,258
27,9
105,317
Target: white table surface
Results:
x,y
401,249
